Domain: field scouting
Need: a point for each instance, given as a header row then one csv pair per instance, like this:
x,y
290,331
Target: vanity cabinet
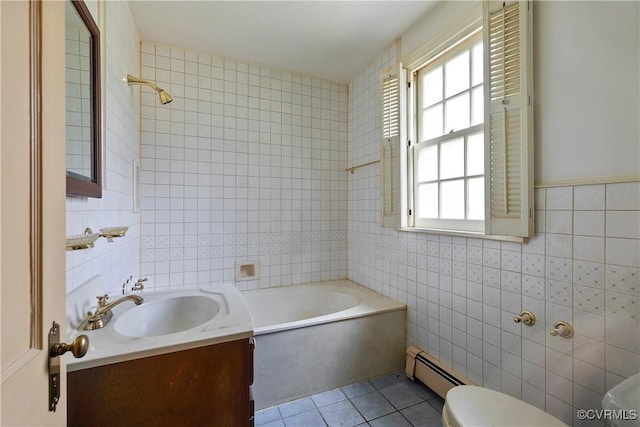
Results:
x,y
206,386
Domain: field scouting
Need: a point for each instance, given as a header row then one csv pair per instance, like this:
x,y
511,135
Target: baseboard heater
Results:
x,y
431,372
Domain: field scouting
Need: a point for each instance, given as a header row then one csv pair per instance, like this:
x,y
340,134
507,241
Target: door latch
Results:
x,y
78,348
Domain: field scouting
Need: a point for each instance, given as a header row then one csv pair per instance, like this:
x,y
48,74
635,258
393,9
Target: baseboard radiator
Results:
x,y
431,372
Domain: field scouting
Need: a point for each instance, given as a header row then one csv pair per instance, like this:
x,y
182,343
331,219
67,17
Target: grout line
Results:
x,y
376,389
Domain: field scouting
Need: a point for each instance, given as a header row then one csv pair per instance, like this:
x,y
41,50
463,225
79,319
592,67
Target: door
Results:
x,y
32,207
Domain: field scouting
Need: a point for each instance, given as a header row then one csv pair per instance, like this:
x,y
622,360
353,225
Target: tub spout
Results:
x,y
103,313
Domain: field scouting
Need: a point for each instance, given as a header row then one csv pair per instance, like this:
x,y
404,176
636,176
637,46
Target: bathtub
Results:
x,y
319,336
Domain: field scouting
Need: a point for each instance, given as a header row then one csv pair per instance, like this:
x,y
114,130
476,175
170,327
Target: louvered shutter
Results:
x,y
393,90
509,118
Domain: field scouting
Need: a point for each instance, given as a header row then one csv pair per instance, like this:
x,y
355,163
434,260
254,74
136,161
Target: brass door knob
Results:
x,y
78,347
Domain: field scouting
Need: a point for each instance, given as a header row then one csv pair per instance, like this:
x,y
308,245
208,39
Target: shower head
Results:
x,y
165,98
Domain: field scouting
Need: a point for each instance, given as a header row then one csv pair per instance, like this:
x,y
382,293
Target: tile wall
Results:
x,y
582,266
246,164
119,260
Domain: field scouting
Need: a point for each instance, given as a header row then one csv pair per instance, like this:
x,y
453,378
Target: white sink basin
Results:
x,y
166,316
166,321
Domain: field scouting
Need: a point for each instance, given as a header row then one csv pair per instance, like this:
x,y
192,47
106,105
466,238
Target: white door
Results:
x,y
32,208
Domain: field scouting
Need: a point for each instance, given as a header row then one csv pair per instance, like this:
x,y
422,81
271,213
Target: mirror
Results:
x,y
82,101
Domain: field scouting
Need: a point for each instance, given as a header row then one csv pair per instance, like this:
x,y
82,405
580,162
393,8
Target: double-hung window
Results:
x,y
467,162
448,156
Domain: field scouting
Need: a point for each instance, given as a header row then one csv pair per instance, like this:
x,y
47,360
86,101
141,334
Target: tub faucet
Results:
x,y
103,314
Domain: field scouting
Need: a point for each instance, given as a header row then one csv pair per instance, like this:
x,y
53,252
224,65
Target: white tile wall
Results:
x,y
247,163
119,260
582,267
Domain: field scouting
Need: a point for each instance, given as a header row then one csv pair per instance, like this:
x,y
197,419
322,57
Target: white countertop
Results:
x,y
107,346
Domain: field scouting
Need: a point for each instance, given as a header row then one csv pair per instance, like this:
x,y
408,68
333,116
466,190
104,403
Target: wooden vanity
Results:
x,y
204,386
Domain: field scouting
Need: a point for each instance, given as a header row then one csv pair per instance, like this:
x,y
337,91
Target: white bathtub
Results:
x,y
323,335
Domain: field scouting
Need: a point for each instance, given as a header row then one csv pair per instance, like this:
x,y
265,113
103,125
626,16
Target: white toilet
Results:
x,y
624,399
468,405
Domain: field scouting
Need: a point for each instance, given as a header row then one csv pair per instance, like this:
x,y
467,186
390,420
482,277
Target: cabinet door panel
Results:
x,y
202,386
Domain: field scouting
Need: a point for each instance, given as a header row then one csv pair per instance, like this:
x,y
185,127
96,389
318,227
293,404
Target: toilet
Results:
x,y
468,405
624,399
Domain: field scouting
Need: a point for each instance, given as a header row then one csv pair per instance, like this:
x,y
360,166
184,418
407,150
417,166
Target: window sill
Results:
x,y
470,234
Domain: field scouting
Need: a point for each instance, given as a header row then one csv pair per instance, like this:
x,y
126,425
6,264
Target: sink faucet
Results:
x,y
103,314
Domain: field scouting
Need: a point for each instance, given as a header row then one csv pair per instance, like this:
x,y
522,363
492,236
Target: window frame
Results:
x,y
465,43
519,227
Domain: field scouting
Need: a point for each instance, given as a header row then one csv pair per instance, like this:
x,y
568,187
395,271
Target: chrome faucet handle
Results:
x,y
526,318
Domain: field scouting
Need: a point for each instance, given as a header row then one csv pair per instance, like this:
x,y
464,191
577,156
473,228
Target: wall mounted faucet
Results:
x,y
562,329
526,318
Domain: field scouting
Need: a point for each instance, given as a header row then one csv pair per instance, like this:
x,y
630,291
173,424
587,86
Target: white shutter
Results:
x,y
509,118
391,149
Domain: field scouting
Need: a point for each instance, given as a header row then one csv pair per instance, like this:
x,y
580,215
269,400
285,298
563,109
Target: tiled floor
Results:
x,y
387,401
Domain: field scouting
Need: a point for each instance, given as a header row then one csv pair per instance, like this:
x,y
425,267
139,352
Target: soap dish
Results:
x,y
81,241
110,232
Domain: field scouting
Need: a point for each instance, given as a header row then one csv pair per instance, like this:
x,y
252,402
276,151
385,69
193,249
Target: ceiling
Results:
x,y
333,40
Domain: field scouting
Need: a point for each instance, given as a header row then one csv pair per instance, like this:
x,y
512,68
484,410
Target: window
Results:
x,y
467,164
448,157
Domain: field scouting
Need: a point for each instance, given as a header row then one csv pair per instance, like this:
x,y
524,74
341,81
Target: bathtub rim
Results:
x,y
370,302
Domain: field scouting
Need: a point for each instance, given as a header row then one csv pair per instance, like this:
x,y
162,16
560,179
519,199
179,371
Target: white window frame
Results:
x,y
464,225
515,176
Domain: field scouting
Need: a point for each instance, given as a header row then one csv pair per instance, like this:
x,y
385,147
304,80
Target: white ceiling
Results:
x,y
332,40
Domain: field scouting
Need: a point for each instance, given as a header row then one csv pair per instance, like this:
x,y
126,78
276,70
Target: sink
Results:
x,y
166,316
167,321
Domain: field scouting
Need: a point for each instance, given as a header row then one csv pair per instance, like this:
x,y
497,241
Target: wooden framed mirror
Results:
x,y
82,102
